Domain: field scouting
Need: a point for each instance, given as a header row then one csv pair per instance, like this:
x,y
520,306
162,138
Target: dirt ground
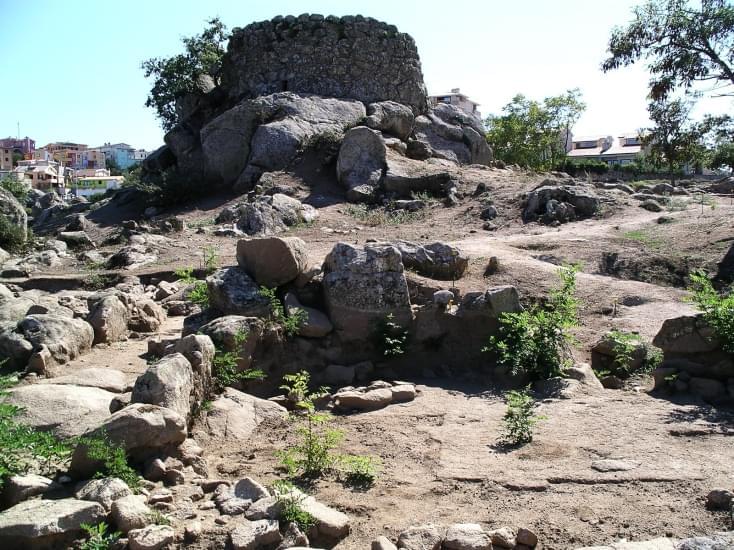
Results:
x,y
439,460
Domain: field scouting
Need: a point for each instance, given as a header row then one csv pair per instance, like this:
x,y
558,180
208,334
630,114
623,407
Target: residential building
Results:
x,y
91,159
614,151
91,172
122,154
88,186
25,146
6,158
40,174
455,97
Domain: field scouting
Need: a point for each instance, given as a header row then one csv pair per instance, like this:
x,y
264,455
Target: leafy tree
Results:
x,y
674,140
532,133
113,166
722,156
178,75
683,45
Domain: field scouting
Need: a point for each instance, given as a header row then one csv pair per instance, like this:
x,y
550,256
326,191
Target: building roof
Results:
x,y
587,152
618,149
589,138
455,94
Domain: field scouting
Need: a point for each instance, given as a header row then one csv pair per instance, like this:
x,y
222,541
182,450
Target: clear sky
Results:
x,y
71,69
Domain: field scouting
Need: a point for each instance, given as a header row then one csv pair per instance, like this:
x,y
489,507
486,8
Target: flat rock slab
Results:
x,y
67,411
36,519
235,414
96,377
612,465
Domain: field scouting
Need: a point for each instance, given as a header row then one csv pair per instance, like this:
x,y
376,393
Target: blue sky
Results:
x,y
71,69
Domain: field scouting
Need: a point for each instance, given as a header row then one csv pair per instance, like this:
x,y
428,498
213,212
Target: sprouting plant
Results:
x,y
291,502
226,364
98,537
158,518
199,294
391,338
211,260
313,455
536,341
112,458
718,309
519,419
625,345
291,323
185,275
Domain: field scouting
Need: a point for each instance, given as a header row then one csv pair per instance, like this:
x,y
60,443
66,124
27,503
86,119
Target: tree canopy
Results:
x,y
683,45
534,134
179,75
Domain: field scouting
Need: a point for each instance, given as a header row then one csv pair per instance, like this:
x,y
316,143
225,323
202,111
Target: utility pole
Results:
x,y
18,129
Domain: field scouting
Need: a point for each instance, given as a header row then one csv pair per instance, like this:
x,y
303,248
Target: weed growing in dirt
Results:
x,y
158,518
644,237
98,537
24,448
291,323
199,292
536,341
390,337
196,224
112,458
519,419
718,309
677,204
185,275
624,346
313,456
291,503
211,260
360,471
382,215
226,365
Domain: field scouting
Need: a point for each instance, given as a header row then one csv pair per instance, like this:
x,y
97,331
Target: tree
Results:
x,y
534,134
180,75
112,166
674,140
683,45
722,157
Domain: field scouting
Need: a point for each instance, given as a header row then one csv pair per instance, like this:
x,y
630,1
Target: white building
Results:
x,y
95,185
455,97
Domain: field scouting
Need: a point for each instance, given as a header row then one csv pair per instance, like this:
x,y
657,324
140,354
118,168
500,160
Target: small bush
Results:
x,y
536,341
382,215
98,537
313,455
226,365
185,275
624,346
158,518
519,419
211,260
12,237
291,323
358,470
718,309
291,502
16,188
199,294
390,337
113,460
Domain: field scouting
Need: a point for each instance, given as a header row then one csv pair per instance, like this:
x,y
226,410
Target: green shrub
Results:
x,y
718,309
380,215
291,502
112,458
97,537
226,365
16,188
574,167
211,260
359,470
624,346
519,419
536,341
12,237
199,294
291,323
313,455
390,337
185,275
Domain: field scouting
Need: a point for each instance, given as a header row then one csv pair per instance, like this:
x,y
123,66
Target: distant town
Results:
x,y
66,167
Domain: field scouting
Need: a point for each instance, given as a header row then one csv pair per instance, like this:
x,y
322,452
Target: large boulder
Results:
x,y
236,415
13,211
167,383
363,286
361,163
688,334
315,324
140,429
268,132
109,318
67,411
553,202
271,214
225,331
436,260
63,339
390,117
47,523
404,177
233,292
272,261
